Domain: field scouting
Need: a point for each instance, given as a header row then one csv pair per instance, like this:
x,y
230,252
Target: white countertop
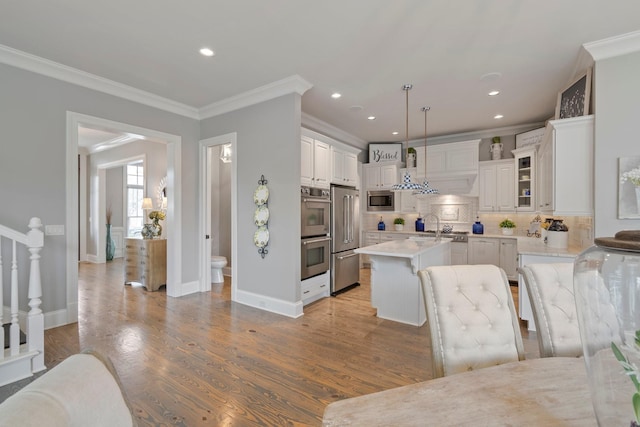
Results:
x,y
406,248
526,245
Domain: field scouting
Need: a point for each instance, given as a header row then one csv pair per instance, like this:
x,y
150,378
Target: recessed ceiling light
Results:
x,y
395,132
498,116
371,117
205,51
336,95
494,92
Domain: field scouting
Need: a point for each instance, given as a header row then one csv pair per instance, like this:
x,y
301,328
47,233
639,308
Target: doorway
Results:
x,y
174,209
217,221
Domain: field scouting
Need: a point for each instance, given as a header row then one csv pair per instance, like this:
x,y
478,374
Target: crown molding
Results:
x,y
614,46
315,124
482,134
71,75
292,84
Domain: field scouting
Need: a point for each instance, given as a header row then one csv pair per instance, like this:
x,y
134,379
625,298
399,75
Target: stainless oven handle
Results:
x,y
316,200
346,256
324,239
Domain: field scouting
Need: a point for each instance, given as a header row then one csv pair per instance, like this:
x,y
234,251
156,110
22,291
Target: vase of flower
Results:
x,y
111,244
156,217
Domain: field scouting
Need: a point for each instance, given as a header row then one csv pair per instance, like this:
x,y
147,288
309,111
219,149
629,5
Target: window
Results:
x,y
135,194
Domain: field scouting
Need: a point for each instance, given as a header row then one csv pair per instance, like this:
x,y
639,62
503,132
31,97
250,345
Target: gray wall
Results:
x,y
115,194
268,143
616,135
33,162
156,168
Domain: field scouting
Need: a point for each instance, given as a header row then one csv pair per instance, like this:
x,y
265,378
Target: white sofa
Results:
x,y
83,390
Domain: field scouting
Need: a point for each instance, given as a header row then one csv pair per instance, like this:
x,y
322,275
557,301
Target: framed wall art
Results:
x,y
629,188
574,100
380,153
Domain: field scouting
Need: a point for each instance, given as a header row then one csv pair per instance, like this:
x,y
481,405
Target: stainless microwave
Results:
x,y
381,201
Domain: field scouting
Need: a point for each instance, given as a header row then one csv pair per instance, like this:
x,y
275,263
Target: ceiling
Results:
x,y
453,53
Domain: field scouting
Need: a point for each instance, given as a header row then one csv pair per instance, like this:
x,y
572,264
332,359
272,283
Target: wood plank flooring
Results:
x,y
202,360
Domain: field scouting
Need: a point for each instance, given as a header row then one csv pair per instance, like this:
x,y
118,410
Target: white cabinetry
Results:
x,y
315,162
497,186
502,252
451,168
509,258
459,253
380,176
344,167
566,167
370,238
315,288
525,178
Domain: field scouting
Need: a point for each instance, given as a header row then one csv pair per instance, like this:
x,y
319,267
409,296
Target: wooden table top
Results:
x,y
543,392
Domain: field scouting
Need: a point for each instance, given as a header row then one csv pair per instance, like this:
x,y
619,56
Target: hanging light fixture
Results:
x,y
425,188
225,153
406,183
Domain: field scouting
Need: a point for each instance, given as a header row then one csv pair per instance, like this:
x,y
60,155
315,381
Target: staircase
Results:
x,y
22,360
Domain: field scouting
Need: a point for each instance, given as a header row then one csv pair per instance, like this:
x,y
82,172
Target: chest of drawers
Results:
x,y
145,262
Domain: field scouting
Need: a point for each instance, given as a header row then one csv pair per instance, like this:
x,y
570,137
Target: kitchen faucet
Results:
x,y
437,224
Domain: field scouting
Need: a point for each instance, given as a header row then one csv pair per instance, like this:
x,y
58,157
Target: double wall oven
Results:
x,y
315,225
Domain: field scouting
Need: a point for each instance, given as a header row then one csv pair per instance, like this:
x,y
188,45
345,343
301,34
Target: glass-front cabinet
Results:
x,y
525,159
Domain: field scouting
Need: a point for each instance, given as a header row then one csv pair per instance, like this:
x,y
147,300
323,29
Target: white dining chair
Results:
x,y
472,318
550,290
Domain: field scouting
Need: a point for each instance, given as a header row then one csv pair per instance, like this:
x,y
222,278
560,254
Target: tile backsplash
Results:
x,y
460,212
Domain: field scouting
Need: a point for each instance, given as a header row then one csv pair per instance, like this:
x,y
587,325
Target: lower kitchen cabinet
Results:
x,y
502,252
314,288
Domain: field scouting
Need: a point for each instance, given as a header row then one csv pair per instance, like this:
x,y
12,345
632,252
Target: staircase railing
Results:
x,y
15,360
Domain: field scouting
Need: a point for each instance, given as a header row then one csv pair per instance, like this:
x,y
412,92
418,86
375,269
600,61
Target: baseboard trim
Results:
x,y
278,306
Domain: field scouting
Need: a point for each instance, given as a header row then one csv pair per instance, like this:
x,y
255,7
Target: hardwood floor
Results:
x,y
204,360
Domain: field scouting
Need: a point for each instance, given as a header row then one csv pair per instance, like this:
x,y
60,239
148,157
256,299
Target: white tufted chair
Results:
x,y
550,289
471,318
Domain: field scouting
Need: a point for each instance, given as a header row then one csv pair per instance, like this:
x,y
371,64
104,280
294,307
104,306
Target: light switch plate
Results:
x,y
54,230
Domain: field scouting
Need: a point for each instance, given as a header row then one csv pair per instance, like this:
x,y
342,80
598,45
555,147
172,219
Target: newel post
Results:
x,y
35,318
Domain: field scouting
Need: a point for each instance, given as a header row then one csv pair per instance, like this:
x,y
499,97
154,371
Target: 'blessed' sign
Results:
x,y
380,153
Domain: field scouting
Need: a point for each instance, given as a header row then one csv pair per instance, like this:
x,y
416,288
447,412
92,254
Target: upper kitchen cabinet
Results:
x,y
380,176
344,167
451,168
525,178
496,186
565,167
315,163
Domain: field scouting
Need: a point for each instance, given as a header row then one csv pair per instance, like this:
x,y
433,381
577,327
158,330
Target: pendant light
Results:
x,y
425,189
406,183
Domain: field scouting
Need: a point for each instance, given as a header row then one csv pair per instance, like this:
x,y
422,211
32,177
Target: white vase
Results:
x,y
496,151
399,227
507,231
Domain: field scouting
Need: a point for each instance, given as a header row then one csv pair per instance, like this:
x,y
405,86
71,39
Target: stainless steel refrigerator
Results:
x,y
345,237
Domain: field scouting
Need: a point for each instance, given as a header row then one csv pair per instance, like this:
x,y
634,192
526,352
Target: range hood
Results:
x,y
455,183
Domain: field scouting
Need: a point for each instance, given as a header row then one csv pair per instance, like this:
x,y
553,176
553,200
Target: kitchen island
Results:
x,y
395,287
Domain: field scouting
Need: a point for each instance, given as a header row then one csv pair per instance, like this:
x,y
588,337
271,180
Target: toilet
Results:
x,y
217,264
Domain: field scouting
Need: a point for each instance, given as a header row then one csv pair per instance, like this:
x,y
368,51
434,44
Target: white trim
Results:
x,y
82,183
204,210
174,209
92,258
68,74
278,306
314,124
483,134
53,319
189,287
292,84
614,46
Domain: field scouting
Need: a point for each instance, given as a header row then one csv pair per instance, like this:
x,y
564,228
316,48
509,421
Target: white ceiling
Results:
x,y
365,49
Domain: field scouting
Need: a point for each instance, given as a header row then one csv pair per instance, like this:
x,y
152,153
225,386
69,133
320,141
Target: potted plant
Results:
x,y
411,157
507,226
398,224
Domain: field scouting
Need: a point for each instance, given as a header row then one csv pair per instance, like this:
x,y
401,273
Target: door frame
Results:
x,y
174,208
205,210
